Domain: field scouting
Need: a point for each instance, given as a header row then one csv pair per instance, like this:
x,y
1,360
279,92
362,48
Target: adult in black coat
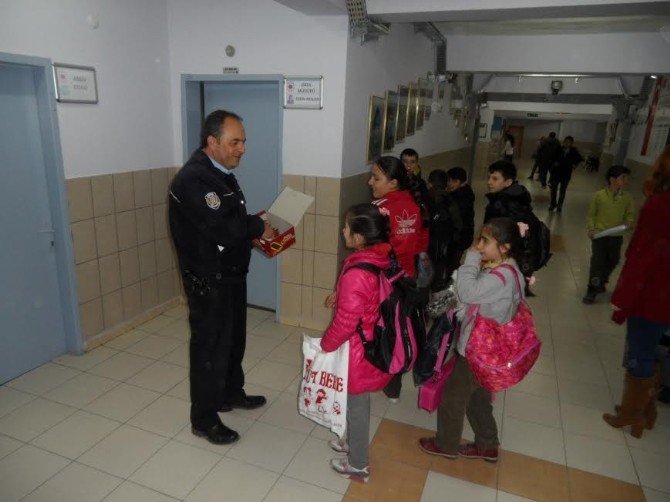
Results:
x,y
548,155
212,234
561,173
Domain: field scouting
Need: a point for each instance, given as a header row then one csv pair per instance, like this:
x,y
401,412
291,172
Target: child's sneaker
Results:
x,y
342,467
339,445
429,446
471,451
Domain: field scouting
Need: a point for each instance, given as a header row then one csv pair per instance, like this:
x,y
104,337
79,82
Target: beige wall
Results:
x,y
124,260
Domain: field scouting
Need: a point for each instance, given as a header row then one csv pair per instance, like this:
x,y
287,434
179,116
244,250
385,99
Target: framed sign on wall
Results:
x,y
303,92
75,84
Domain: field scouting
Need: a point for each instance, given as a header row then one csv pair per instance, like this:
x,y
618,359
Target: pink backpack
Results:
x,y
500,355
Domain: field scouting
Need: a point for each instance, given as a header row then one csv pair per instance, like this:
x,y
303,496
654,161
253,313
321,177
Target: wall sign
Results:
x,y
75,84
303,92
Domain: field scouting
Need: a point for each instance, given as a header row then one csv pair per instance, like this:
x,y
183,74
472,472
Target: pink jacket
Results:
x,y
358,298
408,237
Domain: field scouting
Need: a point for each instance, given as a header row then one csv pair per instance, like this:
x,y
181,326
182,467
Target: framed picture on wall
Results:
x,y
420,103
482,130
429,100
390,120
411,110
401,126
375,128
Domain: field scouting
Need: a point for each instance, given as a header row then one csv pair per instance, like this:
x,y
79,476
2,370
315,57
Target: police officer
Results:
x,y
213,235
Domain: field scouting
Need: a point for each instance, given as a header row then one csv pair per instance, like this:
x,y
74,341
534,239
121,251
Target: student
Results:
x,y
445,225
500,242
366,231
610,206
461,192
509,199
508,148
391,185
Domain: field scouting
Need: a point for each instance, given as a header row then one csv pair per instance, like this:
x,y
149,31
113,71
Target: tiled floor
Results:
x,y
113,424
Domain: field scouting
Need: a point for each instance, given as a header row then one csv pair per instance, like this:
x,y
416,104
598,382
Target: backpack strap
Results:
x,y
369,267
514,272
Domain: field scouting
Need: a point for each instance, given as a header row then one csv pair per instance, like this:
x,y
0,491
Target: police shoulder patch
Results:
x,y
213,201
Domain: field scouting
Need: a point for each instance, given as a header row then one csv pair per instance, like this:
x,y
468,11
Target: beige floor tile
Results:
x,y
530,408
652,469
8,445
43,379
76,434
586,394
539,385
11,399
128,491
122,402
25,469
654,441
121,366
239,481
179,356
33,418
175,469
260,346
589,422
81,390
181,391
154,346
266,446
311,465
177,312
123,451
655,495
391,481
600,457
159,377
125,340
287,489
586,487
535,440
288,352
276,376
270,329
437,485
532,478
509,497
283,413
235,422
157,323
179,329
165,416
75,483
86,360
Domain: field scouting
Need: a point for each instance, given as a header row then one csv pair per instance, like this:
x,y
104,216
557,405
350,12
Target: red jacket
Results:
x,y
358,298
408,237
643,289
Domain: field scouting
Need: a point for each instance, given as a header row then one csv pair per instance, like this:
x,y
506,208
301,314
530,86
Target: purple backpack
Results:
x,y
400,322
500,355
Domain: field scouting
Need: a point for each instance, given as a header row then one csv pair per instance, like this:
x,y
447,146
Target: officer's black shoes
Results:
x,y
244,402
217,434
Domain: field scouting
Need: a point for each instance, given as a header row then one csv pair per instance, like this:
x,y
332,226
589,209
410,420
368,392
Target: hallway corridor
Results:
x,y
113,424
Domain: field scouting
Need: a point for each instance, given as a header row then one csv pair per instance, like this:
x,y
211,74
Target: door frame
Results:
x,y
191,125
57,191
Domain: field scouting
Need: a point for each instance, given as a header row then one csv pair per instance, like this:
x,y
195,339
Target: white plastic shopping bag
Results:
x,y
323,389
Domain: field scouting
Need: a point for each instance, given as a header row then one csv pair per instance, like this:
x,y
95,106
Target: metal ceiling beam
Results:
x,y
361,25
579,99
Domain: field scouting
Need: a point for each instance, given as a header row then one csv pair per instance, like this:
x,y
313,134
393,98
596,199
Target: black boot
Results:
x,y
590,296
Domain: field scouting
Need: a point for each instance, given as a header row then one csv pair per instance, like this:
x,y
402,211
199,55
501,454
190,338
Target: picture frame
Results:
x,y
411,110
303,92
483,129
75,84
401,126
429,101
420,104
390,120
375,128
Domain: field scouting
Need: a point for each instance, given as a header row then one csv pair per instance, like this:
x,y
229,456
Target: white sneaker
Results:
x,y
394,399
342,467
339,445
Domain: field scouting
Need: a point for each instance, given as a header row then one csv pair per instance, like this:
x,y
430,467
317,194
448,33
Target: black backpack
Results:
x,y
400,326
538,245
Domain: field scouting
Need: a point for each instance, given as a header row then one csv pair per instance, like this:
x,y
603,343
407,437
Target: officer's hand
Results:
x,y
268,232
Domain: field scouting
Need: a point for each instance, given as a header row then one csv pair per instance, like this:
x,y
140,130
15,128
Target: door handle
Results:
x,y
52,232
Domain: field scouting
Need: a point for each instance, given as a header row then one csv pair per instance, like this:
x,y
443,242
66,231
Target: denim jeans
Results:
x,y
642,337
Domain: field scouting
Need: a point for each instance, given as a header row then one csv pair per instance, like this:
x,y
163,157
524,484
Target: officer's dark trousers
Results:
x,y
605,253
544,171
218,322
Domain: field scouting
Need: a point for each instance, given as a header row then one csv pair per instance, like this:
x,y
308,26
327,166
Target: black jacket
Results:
x,y
465,200
512,202
549,153
210,227
567,163
445,224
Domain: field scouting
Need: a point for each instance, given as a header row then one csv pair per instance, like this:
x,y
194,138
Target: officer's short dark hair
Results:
x,y
438,178
615,172
457,173
506,169
409,152
213,125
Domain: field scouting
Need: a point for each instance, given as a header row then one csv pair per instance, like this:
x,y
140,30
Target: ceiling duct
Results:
x,y
440,43
360,25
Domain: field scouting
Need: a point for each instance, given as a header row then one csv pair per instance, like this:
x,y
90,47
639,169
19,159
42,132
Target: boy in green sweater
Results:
x,y
610,207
